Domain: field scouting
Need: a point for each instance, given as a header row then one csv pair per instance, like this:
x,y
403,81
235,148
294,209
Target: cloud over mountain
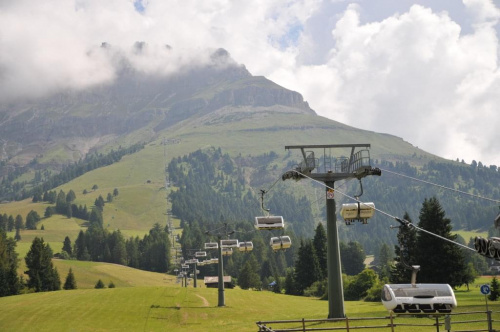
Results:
x,y
414,69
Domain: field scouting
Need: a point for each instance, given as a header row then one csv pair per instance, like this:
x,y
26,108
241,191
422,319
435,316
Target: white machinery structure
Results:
x,y
418,298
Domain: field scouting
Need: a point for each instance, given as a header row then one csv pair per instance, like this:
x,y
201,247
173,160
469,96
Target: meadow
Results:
x,y
147,301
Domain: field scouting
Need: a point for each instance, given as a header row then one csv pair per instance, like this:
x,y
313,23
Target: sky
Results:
x,y
426,71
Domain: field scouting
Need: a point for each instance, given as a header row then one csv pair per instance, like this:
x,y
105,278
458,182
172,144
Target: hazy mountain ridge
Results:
x,y
135,102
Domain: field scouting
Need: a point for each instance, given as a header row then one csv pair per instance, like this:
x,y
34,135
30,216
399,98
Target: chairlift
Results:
x,y
227,251
200,254
418,298
357,212
214,261
280,243
246,246
211,245
185,266
229,243
269,222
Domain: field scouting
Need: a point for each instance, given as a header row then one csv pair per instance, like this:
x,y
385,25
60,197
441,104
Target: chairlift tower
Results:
x,y
221,234
332,169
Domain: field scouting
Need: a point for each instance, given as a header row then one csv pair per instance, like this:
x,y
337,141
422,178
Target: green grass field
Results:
x,y
146,301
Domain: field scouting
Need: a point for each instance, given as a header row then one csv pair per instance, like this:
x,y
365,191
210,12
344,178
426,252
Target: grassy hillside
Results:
x,y
169,307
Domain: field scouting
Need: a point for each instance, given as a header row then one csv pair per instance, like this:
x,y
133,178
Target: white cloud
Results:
x,y
414,73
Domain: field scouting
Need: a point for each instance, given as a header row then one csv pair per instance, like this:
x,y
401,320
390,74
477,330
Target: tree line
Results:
x,y
11,189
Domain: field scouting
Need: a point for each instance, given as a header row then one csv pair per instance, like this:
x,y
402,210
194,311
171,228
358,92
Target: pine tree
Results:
x,y
67,246
495,289
99,284
307,269
384,261
70,282
320,242
41,272
352,257
17,237
10,283
405,253
249,276
440,261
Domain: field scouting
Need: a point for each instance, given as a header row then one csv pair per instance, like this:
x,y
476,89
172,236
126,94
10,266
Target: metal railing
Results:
x,y
402,322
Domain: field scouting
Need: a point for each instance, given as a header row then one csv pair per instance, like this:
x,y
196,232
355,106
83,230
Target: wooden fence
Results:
x,y
473,321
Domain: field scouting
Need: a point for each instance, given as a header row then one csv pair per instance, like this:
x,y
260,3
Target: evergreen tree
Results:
x,y
10,224
70,197
440,261
384,261
249,276
19,223
115,192
31,219
81,246
10,283
352,257
99,284
290,285
307,269
319,242
70,282
41,272
61,204
17,237
67,246
109,198
111,285
495,289
405,253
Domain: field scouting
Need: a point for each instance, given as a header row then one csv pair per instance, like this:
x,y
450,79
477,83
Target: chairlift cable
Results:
x,y
402,221
442,187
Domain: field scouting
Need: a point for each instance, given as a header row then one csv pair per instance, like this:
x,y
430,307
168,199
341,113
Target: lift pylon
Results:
x,y
328,170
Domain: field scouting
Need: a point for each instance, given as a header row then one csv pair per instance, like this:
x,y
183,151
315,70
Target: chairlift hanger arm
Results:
x,y
262,192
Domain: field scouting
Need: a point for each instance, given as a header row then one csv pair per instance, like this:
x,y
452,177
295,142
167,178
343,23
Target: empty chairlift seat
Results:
x,y
229,243
280,243
200,254
269,222
420,298
211,245
246,246
227,251
357,211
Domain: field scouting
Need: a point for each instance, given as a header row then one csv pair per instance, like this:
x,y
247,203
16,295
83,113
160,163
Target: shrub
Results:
x,y
99,284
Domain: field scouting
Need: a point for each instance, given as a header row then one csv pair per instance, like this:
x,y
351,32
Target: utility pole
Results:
x,y
357,165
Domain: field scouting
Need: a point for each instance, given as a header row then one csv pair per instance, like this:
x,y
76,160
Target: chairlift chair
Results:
x,y
229,243
357,211
227,251
211,245
280,243
246,246
200,254
269,222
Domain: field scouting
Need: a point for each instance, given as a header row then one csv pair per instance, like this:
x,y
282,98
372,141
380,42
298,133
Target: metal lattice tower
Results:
x,y
356,165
